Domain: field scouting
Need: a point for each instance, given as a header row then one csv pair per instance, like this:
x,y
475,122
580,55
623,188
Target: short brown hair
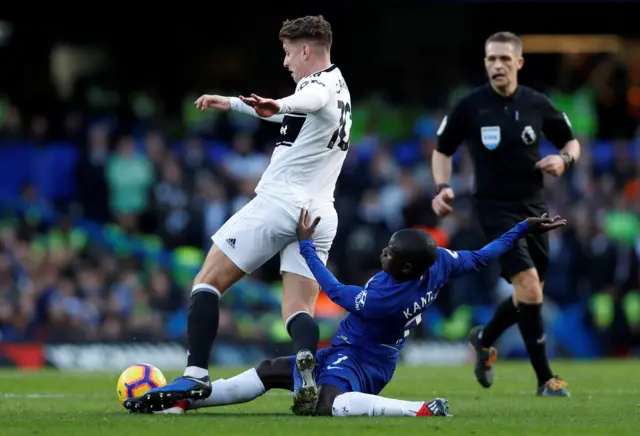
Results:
x,y
313,27
506,37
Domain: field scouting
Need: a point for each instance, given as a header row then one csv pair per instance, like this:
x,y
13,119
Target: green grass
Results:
x,y
605,401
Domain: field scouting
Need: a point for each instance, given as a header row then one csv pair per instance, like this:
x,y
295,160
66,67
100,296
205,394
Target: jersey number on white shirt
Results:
x,y
344,129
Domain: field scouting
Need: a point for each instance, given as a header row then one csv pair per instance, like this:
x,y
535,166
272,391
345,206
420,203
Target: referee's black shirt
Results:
x,y
503,135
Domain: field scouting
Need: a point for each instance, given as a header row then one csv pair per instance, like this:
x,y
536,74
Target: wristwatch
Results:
x,y
568,160
441,186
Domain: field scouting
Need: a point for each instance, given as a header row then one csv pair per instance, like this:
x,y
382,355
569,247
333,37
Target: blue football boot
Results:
x,y
182,388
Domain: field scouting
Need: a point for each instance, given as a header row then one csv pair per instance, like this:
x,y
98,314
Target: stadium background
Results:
x,y
111,182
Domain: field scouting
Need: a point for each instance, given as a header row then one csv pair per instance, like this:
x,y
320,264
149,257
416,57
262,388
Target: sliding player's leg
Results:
x,y
349,387
249,385
333,402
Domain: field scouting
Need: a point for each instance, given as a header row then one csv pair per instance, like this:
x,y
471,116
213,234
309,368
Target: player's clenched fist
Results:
x,y
441,203
213,102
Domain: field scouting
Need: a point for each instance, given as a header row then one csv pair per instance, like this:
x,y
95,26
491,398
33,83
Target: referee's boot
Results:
x,y
485,358
554,387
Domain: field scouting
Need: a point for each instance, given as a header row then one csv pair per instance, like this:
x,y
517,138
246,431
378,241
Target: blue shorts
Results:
x,y
346,369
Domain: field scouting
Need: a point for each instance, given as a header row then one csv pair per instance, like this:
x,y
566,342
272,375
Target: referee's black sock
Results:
x,y
504,317
304,332
202,327
532,330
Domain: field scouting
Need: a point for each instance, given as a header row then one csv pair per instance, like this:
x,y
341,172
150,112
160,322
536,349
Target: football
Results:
x,y
138,379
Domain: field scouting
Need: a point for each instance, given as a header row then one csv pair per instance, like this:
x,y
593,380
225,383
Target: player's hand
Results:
x,y
553,164
213,102
249,101
264,107
306,231
441,203
545,223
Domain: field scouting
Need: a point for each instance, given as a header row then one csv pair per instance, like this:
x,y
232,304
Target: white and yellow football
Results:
x,y
138,379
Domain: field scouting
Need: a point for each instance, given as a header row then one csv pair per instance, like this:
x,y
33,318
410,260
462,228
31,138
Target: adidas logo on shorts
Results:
x,y
232,242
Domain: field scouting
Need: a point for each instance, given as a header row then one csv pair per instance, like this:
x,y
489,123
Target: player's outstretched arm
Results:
x,y
239,106
222,103
345,296
311,96
462,262
351,298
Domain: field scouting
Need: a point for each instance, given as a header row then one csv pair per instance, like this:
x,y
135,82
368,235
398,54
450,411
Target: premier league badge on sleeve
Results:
x,y
490,136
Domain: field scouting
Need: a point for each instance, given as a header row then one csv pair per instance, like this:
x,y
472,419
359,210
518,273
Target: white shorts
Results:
x,y
265,227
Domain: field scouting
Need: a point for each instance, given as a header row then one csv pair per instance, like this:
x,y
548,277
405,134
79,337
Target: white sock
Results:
x,y
195,371
239,389
359,404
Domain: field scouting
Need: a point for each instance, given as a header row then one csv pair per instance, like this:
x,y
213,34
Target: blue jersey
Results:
x,y
383,312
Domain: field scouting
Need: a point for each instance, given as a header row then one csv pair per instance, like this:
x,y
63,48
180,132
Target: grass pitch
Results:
x,y
605,401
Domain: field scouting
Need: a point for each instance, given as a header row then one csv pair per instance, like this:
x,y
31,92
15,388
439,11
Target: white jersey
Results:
x,y
313,142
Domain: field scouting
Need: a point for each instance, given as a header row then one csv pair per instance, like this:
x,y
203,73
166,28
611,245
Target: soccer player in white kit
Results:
x,y
304,168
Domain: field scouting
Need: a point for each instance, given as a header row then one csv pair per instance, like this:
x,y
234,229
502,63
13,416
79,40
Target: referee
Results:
x,y
502,123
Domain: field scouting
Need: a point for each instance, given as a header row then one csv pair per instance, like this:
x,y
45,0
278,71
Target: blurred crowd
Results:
x,y
102,235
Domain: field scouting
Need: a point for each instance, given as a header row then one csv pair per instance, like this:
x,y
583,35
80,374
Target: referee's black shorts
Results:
x,y
497,217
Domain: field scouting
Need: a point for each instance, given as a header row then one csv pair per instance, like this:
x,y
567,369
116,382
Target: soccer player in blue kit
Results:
x,y
345,378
